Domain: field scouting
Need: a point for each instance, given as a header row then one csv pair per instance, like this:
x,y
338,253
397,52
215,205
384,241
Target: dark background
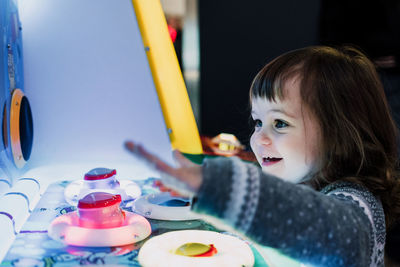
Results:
x,y
237,39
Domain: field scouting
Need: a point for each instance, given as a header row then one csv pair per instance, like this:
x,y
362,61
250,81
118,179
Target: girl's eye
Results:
x,y
280,124
257,123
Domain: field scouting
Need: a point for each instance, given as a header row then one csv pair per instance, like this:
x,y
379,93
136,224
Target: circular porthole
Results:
x,y
21,128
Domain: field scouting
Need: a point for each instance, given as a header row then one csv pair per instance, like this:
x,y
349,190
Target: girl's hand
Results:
x,y
185,179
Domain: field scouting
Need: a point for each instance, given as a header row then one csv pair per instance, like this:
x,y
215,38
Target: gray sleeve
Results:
x,y
307,225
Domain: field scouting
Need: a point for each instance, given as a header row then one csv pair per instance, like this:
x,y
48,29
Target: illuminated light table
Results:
x,y
33,246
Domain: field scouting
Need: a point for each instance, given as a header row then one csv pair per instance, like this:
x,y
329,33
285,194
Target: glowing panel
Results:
x,y
89,83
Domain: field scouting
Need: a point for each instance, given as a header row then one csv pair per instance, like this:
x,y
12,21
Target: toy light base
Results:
x,y
110,251
151,206
66,229
128,190
231,251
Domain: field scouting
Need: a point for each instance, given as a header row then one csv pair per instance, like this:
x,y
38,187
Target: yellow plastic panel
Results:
x,y
167,76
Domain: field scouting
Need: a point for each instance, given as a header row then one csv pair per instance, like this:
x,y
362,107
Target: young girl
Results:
x,y
327,189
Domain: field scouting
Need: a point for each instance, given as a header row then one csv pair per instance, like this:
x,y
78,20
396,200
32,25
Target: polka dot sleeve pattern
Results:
x,y
343,225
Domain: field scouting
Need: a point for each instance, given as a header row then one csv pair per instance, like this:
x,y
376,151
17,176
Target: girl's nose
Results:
x,y
263,139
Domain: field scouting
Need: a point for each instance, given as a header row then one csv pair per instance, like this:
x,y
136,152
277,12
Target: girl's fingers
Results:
x,y
164,188
154,161
185,179
129,145
181,159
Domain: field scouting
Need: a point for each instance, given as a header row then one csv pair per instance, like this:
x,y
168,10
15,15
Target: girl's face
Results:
x,y
286,136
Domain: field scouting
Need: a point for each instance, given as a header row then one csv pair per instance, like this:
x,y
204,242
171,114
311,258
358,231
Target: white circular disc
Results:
x,y
149,207
231,251
75,190
66,229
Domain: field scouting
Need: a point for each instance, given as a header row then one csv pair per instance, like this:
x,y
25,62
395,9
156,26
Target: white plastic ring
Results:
x,y
231,251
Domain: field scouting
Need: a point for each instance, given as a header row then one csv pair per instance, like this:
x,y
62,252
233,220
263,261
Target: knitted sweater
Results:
x,y
342,225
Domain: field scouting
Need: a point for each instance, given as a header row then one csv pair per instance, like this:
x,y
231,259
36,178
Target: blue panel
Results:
x,y
11,74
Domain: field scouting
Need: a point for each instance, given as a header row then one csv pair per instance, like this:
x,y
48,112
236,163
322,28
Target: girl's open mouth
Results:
x,y
268,161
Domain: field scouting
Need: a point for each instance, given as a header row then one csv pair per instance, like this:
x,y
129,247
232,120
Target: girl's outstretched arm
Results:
x,y
343,226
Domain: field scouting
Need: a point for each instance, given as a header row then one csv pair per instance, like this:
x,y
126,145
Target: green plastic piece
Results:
x,y
192,249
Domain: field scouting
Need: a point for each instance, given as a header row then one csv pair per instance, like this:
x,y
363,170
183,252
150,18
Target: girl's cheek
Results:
x,y
252,142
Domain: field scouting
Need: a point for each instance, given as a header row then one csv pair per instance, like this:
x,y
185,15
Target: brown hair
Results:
x,y
359,137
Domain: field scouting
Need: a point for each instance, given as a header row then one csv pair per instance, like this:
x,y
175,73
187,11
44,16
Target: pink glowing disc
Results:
x,y
99,222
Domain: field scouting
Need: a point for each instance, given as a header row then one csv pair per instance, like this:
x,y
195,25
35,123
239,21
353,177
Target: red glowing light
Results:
x,y
93,177
211,252
98,200
172,33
